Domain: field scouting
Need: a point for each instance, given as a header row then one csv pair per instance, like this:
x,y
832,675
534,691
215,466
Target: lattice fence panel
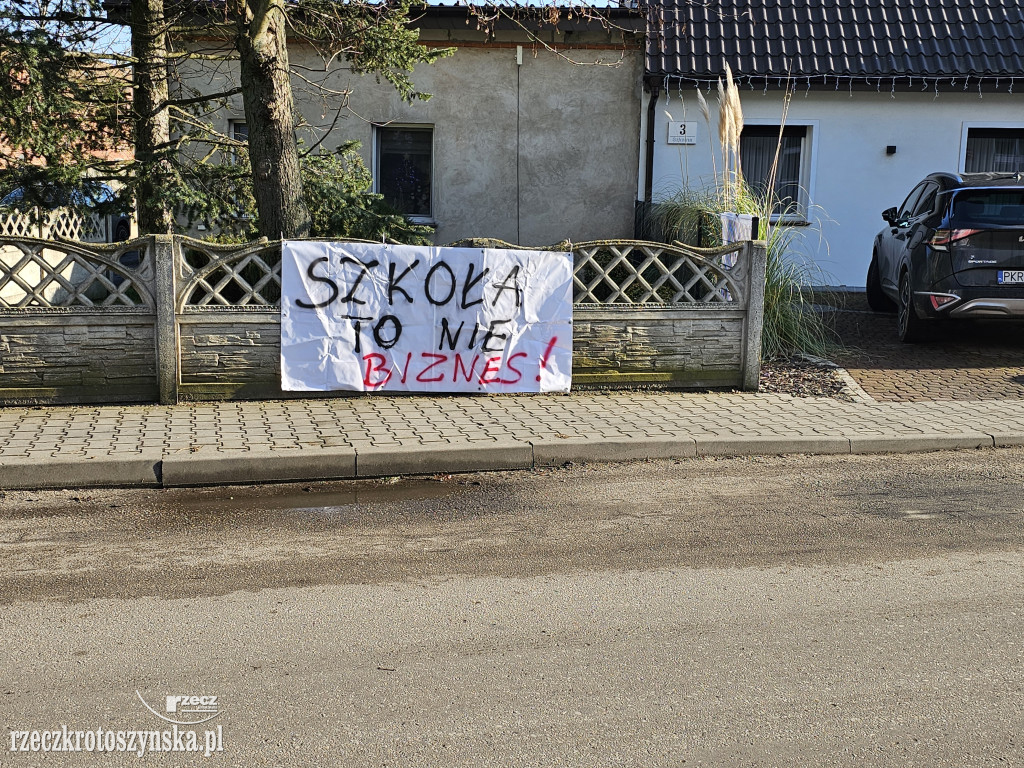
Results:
x,y
648,273
231,276
35,273
60,223
607,272
18,225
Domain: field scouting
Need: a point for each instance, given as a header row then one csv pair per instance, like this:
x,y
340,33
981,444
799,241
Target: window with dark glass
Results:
x,y
758,146
999,150
239,131
405,168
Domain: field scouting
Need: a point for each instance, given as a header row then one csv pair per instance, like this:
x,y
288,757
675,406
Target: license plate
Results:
x,y
1011,276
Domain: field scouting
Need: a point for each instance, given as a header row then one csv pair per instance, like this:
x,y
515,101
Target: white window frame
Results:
x,y
430,219
966,127
808,164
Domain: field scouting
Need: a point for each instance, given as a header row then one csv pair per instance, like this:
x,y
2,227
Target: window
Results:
x,y
906,210
920,201
926,204
404,168
239,131
758,145
994,149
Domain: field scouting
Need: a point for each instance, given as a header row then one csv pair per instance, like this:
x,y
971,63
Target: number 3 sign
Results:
x,y
682,133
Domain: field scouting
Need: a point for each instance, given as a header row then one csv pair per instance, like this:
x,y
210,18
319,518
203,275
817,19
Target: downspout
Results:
x,y
519,76
649,164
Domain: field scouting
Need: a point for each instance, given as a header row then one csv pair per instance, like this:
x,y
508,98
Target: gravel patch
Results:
x,y
804,378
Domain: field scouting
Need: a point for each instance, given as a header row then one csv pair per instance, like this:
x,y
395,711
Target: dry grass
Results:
x,y
791,326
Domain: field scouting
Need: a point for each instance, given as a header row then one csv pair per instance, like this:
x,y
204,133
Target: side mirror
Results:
x,y
889,214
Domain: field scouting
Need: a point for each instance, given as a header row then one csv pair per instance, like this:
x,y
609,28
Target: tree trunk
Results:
x,y
151,117
269,113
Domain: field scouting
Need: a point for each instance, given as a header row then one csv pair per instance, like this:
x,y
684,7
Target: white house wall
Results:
x,y
851,179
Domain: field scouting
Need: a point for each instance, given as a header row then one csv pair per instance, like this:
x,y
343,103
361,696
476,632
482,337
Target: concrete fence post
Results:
x,y
757,255
165,295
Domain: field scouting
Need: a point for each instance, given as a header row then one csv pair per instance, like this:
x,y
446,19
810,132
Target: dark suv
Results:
x,y
954,249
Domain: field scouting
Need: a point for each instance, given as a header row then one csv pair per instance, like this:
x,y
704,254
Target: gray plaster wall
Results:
x,y
532,154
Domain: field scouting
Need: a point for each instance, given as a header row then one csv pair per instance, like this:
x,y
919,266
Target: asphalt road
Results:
x,y
855,610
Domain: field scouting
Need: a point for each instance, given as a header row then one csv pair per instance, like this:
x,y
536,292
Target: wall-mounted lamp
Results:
x,y
891,149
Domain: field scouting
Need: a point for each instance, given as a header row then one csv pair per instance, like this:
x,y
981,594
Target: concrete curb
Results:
x,y
241,467
919,443
424,460
1007,439
555,452
771,445
237,467
138,470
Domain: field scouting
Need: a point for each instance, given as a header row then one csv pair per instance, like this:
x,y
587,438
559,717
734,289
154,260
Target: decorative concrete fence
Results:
x,y
59,223
168,318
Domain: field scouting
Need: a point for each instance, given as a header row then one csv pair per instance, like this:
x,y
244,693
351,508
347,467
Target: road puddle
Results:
x,y
318,505
292,506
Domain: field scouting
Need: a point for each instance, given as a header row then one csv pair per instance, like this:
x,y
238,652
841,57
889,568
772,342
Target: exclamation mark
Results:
x,y
547,354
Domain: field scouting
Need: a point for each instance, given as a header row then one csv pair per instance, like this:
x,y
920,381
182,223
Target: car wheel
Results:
x,y
877,299
909,326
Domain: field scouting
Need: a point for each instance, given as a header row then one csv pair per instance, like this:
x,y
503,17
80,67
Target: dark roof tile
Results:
x,y
858,38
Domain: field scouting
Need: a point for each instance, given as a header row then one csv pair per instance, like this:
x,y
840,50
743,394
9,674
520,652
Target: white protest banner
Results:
x,y
401,318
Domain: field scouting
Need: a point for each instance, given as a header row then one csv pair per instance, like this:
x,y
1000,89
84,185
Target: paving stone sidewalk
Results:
x,y
193,444
981,360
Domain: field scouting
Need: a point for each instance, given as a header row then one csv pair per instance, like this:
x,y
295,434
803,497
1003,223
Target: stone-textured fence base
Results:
x,y
165,318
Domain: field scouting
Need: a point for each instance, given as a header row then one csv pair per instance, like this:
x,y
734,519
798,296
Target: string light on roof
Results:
x,y
769,81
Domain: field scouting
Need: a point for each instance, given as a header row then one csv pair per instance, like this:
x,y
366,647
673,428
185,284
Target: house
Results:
x,y
883,92
525,141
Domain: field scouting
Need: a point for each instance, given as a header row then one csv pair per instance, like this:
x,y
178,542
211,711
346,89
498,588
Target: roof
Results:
x,y
859,39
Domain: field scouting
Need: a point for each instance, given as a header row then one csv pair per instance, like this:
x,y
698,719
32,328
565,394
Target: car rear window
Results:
x,y
1001,207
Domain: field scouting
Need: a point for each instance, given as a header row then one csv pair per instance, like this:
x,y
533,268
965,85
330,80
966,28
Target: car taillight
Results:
x,y
939,300
944,237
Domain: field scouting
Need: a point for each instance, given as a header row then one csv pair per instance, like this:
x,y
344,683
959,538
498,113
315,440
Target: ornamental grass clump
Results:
x,y
792,327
